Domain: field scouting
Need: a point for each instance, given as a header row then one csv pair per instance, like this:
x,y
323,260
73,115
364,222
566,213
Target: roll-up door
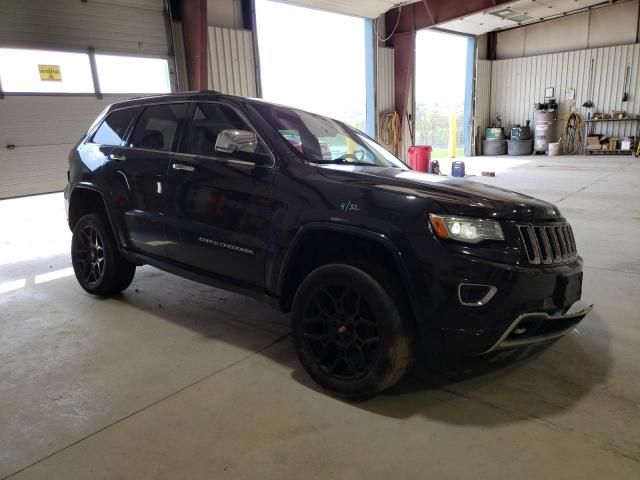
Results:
x,y
38,128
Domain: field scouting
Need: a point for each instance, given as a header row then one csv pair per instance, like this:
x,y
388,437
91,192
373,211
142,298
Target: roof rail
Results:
x,y
190,92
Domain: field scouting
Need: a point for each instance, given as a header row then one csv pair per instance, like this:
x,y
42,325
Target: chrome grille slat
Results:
x,y
548,244
563,243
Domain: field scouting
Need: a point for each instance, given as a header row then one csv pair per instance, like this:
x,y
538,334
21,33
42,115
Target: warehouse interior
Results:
x,y
176,379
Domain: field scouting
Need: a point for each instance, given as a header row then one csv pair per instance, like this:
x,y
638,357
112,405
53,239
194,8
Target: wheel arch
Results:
x,y
85,199
295,267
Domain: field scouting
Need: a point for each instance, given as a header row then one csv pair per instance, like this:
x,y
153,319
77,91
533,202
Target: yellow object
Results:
x,y
452,135
351,146
50,73
439,226
389,131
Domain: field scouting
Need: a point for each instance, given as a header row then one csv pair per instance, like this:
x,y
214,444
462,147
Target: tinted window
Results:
x,y
209,119
112,130
157,127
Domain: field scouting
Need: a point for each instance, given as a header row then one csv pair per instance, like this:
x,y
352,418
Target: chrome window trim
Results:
x,y
187,101
222,159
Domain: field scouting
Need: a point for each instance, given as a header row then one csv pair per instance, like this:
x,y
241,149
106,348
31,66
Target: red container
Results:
x,y
420,157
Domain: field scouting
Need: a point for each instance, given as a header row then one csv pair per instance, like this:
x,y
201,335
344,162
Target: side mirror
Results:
x,y
230,141
243,145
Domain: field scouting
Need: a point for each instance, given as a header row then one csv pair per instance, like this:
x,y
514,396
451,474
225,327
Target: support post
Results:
x,y
370,70
94,72
194,27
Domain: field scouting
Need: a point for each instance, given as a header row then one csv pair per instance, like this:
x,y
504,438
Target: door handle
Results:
x,y
183,167
118,157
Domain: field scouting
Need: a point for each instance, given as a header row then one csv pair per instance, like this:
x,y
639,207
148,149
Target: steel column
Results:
x,y
194,27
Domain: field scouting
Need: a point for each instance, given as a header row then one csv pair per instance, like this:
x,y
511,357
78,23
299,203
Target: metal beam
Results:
x,y
194,27
428,13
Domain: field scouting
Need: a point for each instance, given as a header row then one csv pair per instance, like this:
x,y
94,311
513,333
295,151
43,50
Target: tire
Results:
x,y
99,267
348,332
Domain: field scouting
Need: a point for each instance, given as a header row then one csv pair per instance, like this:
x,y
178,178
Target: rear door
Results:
x,y
138,175
220,203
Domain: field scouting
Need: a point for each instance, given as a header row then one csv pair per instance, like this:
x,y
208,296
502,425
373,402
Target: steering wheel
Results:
x,y
357,156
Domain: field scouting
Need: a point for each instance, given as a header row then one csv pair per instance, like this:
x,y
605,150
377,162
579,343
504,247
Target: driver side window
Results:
x,y
209,119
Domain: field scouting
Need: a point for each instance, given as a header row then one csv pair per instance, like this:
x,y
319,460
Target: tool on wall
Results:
x,y
389,134
571,139
589,103
625,94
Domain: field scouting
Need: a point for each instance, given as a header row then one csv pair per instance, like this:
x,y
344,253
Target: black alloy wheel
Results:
x,y
349,333
90,255
99,267
341,332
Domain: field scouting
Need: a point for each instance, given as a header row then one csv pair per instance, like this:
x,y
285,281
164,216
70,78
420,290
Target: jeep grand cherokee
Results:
x,y
374,260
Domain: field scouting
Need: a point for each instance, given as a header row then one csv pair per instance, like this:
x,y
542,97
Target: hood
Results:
x,y
456,196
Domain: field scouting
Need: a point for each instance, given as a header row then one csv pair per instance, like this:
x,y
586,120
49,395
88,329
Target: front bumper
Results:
x,y
529,305
537,327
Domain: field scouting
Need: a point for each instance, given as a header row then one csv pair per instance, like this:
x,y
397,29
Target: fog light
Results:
x,y
475,295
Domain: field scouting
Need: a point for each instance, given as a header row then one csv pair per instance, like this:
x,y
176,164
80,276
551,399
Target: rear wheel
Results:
x,y
348,332
99,267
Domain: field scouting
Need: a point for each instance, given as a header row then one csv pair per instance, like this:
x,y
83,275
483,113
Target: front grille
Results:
x,y
548,244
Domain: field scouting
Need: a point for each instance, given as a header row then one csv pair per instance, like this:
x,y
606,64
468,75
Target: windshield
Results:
x,y
319,139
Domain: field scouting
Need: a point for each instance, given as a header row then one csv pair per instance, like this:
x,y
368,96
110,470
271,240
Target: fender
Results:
x,y
380,238
94,188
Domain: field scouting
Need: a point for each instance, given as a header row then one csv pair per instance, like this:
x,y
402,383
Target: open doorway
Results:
x,y
443,80
313,60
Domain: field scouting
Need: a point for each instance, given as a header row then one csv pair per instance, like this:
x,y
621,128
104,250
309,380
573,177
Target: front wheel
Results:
x,y
99,267
348,332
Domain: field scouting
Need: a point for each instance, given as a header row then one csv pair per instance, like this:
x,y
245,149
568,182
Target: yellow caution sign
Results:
x,y
50,73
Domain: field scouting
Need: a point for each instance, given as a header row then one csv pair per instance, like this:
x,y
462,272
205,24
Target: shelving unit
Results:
x,y
634,147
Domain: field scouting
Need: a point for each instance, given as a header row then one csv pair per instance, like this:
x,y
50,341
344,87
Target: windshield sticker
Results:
x,y
349,206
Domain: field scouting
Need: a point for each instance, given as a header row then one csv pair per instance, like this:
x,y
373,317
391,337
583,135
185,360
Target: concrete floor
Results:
x,y
177,380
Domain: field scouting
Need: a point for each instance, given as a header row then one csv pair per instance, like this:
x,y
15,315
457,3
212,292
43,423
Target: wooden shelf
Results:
x,y
609,152
626,119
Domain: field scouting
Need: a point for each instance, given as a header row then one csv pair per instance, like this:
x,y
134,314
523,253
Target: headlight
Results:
x,y
463,229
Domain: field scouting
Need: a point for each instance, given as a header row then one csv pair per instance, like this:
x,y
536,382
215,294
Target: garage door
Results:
x,y
48,95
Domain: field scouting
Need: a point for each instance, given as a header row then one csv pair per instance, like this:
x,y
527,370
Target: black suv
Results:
x,y
372,258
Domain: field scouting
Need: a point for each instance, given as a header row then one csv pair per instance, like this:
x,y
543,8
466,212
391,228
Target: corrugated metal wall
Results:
x,y
231,62
482,115
385,83
132,26
516,84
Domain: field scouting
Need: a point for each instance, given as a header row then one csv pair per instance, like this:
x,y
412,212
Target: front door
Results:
x,y
220,204
138,176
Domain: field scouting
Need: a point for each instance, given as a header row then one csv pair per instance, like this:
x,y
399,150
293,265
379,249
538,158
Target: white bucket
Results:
x,y
554,149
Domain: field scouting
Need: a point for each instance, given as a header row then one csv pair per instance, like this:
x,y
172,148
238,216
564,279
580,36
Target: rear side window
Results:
x,y
157,127
112,130
209,119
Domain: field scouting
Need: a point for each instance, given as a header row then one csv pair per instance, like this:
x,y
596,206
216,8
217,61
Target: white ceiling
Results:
x,y
484,22
360,8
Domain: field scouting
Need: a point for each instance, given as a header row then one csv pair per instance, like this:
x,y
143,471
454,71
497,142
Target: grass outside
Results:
x,y
438,153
